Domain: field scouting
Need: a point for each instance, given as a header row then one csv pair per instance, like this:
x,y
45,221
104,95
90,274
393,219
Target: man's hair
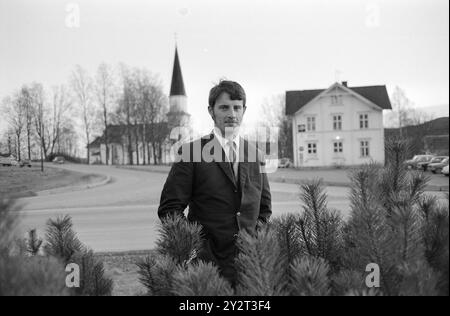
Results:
x,y
233,88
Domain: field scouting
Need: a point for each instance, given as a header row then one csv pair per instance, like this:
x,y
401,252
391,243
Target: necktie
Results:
x,y
232,156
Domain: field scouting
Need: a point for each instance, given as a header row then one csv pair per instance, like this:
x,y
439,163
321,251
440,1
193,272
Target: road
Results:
x,y
122,215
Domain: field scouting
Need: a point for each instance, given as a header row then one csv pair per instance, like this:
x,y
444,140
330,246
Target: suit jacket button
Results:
x,y
238,213
235,235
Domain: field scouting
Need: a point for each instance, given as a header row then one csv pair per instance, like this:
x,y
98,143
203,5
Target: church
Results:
x,y
142,153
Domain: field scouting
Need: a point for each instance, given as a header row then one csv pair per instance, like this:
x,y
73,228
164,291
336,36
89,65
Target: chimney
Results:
x,y
345,83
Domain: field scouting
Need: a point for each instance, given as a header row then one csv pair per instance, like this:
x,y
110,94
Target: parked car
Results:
x,y
8,161
445,171
284,163
25,163
424,165
59,160
412,163
437,167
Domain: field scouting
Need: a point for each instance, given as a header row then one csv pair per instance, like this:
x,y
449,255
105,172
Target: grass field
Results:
x,y
18,182
122,269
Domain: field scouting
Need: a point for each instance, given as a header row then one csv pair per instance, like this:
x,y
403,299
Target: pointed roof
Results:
x,y
177,87
295,100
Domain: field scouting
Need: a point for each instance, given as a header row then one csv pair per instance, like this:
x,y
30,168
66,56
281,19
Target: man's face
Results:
x,y
227,114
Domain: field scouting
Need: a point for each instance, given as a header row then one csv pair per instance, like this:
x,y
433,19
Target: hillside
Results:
x,y
431,136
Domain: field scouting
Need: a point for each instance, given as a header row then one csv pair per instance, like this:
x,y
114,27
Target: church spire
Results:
x,y
177,87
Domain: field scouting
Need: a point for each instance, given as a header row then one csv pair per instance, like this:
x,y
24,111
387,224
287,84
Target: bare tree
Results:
x,y
273,111
105,92
151,109
15,113
27,103
83,88
61,105
37,99
401,105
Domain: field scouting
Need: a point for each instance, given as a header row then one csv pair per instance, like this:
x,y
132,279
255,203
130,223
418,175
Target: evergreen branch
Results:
x,y
200,279
179,239
310,277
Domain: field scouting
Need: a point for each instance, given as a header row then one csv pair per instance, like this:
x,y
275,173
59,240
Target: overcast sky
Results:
x,y
269,46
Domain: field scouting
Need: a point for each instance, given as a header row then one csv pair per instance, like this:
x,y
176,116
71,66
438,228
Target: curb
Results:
x,y
107,180
433,188
143,169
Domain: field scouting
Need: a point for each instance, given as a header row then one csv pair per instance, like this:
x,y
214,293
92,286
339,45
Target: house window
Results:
x,y
312,148
337,122
338,147
301,128
311,123
363,121
365,151
336,99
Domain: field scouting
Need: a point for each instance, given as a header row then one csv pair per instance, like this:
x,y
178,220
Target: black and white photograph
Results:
x,y
224,155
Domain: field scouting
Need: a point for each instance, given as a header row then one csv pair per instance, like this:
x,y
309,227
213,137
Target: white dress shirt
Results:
x,y
226,147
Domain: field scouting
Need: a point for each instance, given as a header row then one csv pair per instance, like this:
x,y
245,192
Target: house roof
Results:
x,y
295,100
118,133
177,86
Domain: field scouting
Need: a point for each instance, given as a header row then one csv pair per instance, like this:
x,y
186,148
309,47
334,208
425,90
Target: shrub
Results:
x,y
31,276
179,239
63,243
200,279
156,274
260,265
25,272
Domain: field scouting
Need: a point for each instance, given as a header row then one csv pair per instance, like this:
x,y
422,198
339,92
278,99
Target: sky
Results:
x,y
269,46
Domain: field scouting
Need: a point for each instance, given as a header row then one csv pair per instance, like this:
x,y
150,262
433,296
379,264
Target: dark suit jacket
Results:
x,y
222,204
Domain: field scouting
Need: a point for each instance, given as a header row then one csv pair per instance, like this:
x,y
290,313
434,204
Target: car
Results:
x,y
424,165
7,161
15,163
284,163
445,171
25,163
412,163
59,160
437,167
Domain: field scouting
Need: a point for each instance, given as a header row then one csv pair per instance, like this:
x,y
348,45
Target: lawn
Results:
x,y
122,269
18,182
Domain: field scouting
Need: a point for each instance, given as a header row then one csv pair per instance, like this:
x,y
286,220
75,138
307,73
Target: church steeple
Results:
x,y
177,87
178,114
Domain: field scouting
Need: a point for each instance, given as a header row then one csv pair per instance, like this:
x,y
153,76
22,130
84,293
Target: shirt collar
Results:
x,y
223,141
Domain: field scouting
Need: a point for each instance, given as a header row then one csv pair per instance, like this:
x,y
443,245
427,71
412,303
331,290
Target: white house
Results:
x,y
338,126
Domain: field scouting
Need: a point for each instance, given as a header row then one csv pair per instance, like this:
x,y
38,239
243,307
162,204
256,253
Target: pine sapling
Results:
x,y
310,277
200,279
179,239
260,265
156,274
33,243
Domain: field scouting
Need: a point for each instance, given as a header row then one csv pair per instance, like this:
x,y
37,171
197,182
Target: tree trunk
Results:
x,y
88,149
106,135
144,139
136,141
9,145
155,157
18,147
29,142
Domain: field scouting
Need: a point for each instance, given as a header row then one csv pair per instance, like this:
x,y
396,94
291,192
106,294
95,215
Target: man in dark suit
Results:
x,y
220,177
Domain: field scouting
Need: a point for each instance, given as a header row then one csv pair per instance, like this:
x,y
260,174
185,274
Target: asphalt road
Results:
x,y
122,215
